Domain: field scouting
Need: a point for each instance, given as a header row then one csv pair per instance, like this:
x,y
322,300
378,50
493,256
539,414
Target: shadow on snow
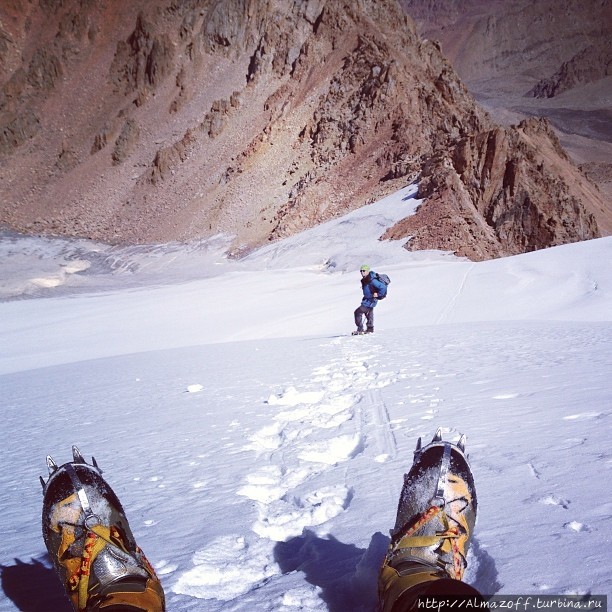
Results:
x,y
34,587
348,576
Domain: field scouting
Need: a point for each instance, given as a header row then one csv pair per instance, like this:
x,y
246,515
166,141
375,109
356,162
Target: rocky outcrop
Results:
x,y
157,120
503,191
17,129
143,60
126,141
219,114
167,159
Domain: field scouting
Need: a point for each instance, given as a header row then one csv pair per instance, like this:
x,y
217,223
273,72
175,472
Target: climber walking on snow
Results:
x,y
373,289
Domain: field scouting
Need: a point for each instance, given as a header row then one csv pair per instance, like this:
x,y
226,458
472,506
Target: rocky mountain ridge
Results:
x,y
166,120
536,58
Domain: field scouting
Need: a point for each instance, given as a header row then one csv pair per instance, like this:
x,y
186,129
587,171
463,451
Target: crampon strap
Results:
x,y
447,539
97,537
92,547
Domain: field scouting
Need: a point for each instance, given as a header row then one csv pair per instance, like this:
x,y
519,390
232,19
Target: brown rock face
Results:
x,y
157,120
500,192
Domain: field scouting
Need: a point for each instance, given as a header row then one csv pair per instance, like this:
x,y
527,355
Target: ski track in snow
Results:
x,y
447,311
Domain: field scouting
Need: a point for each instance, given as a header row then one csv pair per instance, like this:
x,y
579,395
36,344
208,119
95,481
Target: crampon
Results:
x,y
90,542
435,522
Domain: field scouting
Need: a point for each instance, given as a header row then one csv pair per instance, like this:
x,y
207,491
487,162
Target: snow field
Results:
x,y
259,450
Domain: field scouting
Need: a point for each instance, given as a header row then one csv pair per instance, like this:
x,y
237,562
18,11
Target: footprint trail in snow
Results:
x,y
319,426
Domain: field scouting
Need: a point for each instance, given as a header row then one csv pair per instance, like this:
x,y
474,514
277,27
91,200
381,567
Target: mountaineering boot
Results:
x,y
435,522
90,542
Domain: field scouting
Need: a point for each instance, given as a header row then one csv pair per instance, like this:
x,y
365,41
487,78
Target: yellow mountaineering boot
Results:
x,y
91,545
435,521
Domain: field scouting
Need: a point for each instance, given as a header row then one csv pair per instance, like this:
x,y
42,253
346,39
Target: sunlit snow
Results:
x,y
259,449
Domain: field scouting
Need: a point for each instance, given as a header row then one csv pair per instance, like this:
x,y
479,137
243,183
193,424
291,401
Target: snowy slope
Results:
x,y
259,449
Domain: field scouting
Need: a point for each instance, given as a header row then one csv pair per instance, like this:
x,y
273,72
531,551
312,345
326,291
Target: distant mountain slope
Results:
x,y
161,120
536,58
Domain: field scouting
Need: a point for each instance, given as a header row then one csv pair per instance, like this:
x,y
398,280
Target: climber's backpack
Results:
x,y
383,278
